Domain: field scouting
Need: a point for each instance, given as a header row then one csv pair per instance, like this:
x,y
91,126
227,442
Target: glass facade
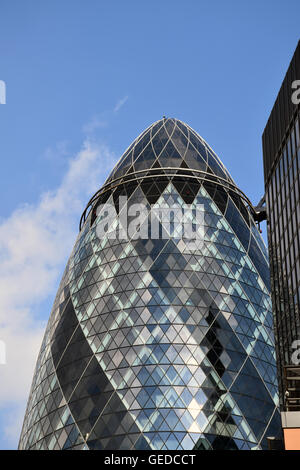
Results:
x,y
151,345
281,143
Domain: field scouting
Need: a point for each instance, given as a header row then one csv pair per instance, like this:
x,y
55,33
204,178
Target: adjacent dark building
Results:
x,y
281,153
152,344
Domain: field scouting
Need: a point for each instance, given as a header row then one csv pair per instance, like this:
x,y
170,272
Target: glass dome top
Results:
x,y
169,143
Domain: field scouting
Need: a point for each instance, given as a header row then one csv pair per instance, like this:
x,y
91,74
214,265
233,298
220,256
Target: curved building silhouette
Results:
x,y
153,343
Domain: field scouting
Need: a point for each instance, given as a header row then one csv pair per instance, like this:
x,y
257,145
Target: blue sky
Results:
x,y
83,79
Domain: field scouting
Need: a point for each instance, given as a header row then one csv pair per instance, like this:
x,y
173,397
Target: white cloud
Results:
x,y
35,242
59,152
120,103
95,123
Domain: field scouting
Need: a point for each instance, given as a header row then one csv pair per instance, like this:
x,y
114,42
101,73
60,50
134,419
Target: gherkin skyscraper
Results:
x,y
151,343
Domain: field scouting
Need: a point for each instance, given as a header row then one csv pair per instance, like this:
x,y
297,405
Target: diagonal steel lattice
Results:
x,y
150,345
